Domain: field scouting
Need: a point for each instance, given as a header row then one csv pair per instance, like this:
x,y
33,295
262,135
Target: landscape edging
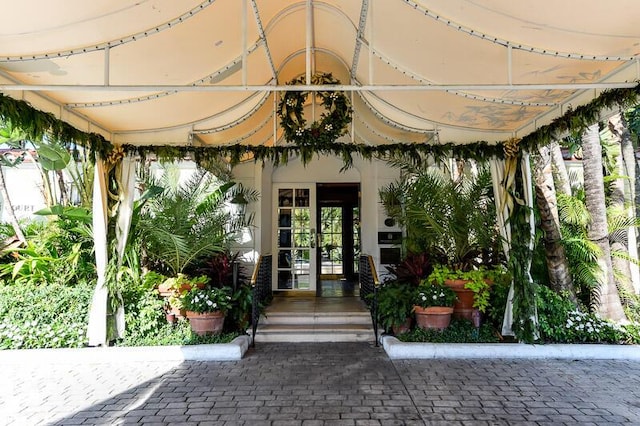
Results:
x,y
396,349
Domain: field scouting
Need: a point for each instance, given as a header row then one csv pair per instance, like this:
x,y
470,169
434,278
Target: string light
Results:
x,y
518,46
113,43
263,37
419,79
154,96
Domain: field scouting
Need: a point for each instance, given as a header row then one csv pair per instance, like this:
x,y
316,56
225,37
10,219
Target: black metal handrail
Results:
x,y
369,285
261,291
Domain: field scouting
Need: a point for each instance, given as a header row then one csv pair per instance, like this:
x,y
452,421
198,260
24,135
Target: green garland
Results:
x,y
524,290
581,117
37,123
279,155
333,122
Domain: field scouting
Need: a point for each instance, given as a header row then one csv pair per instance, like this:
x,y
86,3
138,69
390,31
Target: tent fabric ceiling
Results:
x,y
210,72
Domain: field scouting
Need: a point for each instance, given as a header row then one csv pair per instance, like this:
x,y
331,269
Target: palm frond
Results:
x,y
572,210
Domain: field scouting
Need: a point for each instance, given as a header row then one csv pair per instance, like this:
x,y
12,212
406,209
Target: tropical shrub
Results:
x,y
395,303
451,220
561,322
145,320
44,316
181,225
57,251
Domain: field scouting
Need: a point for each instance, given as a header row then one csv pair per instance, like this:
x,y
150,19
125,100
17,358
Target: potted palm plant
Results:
x,y
434,305
454,221
206,309
183,223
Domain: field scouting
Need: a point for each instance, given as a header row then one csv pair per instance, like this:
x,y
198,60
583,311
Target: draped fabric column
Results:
x,y
126,190
503,212
97,327
527,182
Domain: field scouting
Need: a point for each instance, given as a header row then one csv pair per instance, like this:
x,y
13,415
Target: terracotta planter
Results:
x,y
171,317
463,308
402,328
176,312
433,317
166,289
206,323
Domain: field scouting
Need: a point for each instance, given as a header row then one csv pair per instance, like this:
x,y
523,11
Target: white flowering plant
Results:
x,y
207,300
590,328
434,294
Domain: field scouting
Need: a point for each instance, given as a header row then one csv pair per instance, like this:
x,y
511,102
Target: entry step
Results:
x,y
320,333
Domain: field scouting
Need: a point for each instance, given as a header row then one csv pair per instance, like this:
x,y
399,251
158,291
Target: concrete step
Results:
x,y
318,333
317,318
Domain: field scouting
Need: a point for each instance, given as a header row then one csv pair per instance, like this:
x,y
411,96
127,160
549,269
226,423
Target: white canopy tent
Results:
x,y
206,72
209,73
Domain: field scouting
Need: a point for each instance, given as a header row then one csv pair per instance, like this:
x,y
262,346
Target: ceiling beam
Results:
x,y
359,37
308,41
307,87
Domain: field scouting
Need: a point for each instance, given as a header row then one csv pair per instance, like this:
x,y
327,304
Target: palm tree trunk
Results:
x,y
626,200
64,197
560,175
9,207
559,275
608,301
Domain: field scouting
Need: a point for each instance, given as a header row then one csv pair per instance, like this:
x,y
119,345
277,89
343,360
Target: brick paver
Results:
x,y
323,384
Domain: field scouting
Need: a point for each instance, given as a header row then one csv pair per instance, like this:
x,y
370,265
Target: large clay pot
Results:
x,y
463,308
433,317
402,328
206,323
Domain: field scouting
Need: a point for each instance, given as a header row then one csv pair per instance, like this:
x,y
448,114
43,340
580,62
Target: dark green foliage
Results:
x,y
395,303
459,331
174,334
239,316
332,124
36,124
494,314
524,301
145,320
553,310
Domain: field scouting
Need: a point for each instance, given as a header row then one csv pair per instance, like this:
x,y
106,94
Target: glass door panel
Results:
x,y
295,237
331,246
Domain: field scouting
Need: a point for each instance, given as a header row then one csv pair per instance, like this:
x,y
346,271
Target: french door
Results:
x,y
295,237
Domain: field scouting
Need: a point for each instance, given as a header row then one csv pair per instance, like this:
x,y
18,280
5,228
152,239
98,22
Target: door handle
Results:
x,y
312,243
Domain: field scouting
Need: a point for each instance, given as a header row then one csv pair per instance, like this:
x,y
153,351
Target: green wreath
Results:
x,y
333,122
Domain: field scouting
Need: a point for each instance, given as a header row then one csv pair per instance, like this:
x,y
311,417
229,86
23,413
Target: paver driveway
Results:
x,y
317,384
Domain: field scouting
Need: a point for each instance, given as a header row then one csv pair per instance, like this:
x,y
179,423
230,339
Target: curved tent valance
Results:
x,y
209,73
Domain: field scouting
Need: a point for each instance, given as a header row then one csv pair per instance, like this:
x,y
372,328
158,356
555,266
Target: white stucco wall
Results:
x,y
24,185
